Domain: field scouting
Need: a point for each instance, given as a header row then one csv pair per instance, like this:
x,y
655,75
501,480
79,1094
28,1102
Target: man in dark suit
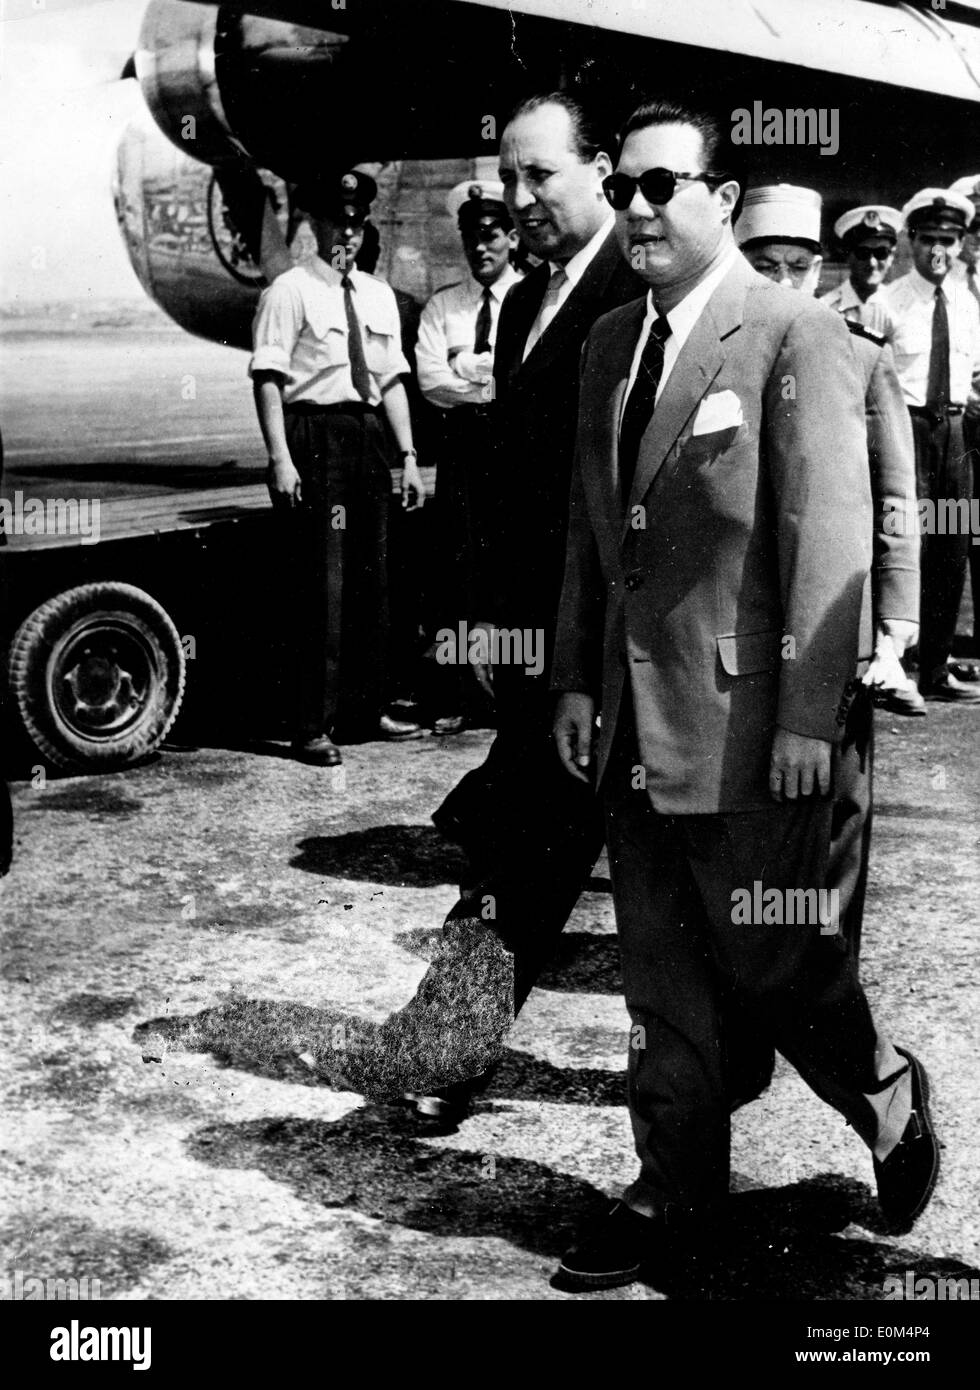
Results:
x,y
716,601
532,838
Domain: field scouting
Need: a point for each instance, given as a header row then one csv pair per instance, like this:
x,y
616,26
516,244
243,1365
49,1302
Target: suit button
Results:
x,y
633,581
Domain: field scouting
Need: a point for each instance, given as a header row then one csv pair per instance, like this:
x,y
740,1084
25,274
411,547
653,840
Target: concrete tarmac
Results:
x,y
213,874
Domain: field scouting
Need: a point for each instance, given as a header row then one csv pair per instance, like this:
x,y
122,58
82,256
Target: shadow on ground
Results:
x,y
779,1244
412,856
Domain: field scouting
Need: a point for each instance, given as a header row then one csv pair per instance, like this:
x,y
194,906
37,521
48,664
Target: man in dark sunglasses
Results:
x,y
868,236
716,603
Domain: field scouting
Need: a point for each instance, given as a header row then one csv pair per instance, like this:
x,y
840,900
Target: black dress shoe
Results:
x,y
611,1252
907,1177
966,670
448,724
320,751
398,730
953,691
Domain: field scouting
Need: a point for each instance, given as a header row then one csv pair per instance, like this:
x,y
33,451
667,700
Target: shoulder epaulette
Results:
x,y
860,330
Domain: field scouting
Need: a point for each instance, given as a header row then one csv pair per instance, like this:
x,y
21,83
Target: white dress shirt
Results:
x,y
682,319
300,332
574,270
447,328
910,301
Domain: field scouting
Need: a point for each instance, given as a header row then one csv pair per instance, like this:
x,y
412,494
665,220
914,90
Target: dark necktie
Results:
x,y
639,405
937,387
355,344
484,324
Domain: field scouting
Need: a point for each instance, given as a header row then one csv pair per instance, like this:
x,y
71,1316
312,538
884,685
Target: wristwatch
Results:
x,y
409,454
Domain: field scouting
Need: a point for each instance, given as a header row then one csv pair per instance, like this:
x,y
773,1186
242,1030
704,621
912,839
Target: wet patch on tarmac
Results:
x,y
68,1246
94,1008
96,798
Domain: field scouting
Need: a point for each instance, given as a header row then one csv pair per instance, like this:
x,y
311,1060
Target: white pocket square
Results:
x,y
722,411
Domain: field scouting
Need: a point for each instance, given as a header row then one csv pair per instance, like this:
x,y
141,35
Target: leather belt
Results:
x,y
340,408
935,417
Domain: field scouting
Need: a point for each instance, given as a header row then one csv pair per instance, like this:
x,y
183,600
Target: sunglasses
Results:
x,y
872,253
657,186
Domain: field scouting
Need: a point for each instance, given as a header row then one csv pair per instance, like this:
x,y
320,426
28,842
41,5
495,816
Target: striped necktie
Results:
x,y
640,403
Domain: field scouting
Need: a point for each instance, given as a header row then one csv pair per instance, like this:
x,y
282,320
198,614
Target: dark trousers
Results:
x,y
464,443
943,473
750,1050
534,833
971,439
683,951
333,568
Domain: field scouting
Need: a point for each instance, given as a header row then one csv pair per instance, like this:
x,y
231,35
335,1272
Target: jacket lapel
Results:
x,y
699,362
578,311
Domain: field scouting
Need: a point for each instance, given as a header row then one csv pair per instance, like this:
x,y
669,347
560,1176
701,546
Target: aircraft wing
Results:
x,y
927,48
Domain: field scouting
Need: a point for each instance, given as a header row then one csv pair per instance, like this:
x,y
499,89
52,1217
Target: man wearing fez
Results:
x,y
715,603
868,236
454,356
936,341
327,364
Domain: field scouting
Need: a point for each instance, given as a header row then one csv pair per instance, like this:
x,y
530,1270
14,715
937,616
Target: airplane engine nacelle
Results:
x,y
225,86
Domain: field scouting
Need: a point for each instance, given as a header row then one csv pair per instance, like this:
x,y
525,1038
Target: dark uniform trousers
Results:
x,y
334,565
971,439
942,470
685,961
464,445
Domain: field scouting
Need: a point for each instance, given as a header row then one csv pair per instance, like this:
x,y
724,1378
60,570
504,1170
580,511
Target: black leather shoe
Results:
x,y
966,670
443,1111
320,751
611,1252
398,729
952,691
448,724
907,1177
905,701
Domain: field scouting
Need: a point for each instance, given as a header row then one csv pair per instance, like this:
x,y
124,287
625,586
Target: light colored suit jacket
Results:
x,y
733,592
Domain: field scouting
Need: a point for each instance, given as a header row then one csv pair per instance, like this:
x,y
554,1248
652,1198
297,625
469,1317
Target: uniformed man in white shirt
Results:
x,y
868,236
936,341
454,359
327,363
968,269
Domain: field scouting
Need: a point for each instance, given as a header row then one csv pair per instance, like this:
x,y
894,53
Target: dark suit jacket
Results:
x,y
537,405
734,592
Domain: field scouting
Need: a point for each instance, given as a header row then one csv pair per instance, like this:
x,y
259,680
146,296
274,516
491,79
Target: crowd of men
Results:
x,y
699,487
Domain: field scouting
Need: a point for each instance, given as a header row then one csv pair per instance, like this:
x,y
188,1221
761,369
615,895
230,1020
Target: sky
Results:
x,y
62,112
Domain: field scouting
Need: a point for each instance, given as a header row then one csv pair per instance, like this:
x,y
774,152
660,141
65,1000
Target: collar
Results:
x,y
499,287
924,288
581,261
327,273
848,297
685,315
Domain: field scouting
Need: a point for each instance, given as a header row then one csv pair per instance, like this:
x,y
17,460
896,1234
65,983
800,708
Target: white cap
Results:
x,y
480,191
946,204
875,219
969,185
779,212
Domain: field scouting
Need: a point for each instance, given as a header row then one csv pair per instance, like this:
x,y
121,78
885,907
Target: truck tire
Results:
x,y
98,676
